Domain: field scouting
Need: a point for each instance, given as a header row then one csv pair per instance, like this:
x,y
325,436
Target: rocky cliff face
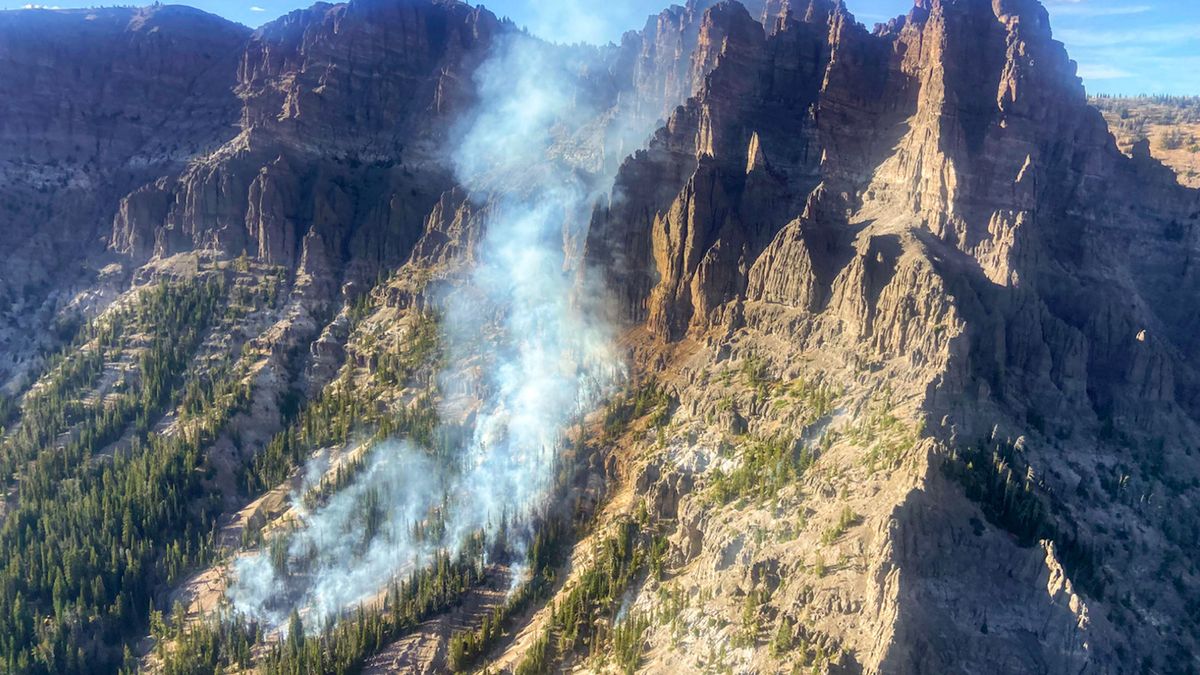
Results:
x,y
344,109
938,198
99,102
923,339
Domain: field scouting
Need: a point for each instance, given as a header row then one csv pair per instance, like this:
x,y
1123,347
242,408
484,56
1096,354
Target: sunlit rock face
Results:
x,y
937,195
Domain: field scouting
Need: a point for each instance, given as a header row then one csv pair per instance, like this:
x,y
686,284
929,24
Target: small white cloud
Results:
x,y
1102,72
31,6
256,8
1089,11
1151,35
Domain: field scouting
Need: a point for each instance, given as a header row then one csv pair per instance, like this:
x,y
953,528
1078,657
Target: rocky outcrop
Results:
x,y
147,86
366,79
670,57
101,101
937,197
731,164
345,115
98,104
346,119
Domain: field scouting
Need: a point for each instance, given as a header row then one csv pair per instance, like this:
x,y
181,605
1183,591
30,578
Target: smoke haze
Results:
x,y
547,356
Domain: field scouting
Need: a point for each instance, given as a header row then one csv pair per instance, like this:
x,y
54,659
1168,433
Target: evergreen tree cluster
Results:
x,y
107,512
576,620
342,647
468,647
766,467
1011,498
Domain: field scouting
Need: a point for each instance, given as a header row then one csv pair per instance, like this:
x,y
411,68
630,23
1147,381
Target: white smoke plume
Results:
x,y
548,355
585,21
365,534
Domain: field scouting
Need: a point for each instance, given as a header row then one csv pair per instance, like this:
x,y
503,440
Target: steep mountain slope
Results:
x,y
284,215
99,102
959,224
910,344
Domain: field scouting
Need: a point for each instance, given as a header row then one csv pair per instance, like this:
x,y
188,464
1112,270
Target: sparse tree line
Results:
x,y
342,647
1136,115
346,408
227,642
585,617
1011,498
468,647
108,512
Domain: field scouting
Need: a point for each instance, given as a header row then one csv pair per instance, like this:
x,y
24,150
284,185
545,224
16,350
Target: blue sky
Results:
x,y
1122,46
